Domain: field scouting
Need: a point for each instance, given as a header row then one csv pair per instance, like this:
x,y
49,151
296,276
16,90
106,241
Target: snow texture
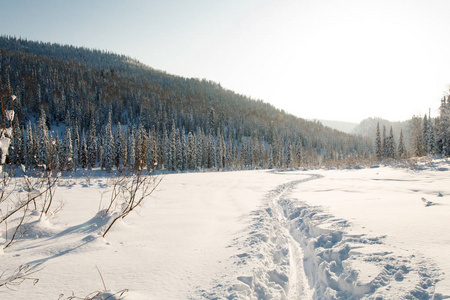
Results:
x,y
323,234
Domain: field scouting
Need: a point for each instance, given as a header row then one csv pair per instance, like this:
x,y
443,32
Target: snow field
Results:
x,y
337,234
397,245
171,248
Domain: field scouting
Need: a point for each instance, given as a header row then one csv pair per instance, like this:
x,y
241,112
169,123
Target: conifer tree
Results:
x,y
92,147
55,154
431,137
31,148
131,151
391,145
270,158
76,146
83,152
67,152
108,147
416,136
401,150
119,149
42,135
384,144
190,152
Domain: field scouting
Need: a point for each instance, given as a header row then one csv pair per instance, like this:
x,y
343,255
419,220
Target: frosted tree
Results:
x,y
120,149
6,133
92,146
431,141
443,135
165,149
221,151
190,152
401,149
141,147
131,147
55,147
83,152
183,143
30,149
378,143
43,142
384,144
172,157
211,148
416,132
390,145
76,146
108,147
15,152
67,151
270,158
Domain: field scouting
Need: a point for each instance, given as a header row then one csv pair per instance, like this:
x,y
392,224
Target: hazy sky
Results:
x,y
318,59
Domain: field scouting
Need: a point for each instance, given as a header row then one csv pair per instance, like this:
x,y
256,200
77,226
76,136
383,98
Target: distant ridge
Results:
x,y
347,127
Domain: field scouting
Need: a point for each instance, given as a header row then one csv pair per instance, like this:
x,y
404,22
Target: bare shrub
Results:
x,y
129,191
21,274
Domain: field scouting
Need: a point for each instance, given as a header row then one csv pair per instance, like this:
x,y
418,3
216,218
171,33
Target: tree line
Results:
x,y
428,136
80,95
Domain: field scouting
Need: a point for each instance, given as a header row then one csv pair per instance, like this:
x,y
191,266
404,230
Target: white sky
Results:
x,y
319,59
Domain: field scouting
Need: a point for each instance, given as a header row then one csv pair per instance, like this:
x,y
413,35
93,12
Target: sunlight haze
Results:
x,y
336,60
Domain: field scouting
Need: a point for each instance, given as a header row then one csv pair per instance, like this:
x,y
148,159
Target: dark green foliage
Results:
x,y
92,92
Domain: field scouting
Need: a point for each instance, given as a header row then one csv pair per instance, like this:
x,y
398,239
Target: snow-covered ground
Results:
x,y
249,235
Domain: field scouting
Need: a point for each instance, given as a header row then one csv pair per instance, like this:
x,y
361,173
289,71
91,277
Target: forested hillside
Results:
x,y
114,112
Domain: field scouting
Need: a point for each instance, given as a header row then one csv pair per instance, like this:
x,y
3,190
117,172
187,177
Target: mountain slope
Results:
x,y
81,88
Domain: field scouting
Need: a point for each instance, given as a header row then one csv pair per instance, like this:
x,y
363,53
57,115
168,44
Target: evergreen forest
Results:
x,y
80,108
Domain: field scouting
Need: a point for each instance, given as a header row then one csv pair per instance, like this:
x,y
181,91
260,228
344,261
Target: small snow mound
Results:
x,y
39,228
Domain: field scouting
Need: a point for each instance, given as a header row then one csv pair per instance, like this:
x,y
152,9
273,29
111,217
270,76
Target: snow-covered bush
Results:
x,y
129,191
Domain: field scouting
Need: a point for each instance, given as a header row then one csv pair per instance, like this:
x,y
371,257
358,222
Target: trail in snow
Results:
x,y
292,250
270,262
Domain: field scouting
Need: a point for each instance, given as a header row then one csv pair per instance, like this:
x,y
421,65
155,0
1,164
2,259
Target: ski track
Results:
x,y
270,262
295,251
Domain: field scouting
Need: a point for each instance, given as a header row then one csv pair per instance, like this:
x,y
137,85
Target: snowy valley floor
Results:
x,y
250,235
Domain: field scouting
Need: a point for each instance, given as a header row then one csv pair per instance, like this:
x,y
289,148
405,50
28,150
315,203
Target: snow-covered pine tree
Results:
x,y
108,146
179,154
270,158
384,144
190,152
119,149
401,149
92,147
67,152
55,152
431,136
425,138
416,132
391,144
141,147
230,152
43,142
31,148
221,151
83,152
443,136
172,157
299,154
212,158
131,145
15,151
183,142
76,146
165,149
